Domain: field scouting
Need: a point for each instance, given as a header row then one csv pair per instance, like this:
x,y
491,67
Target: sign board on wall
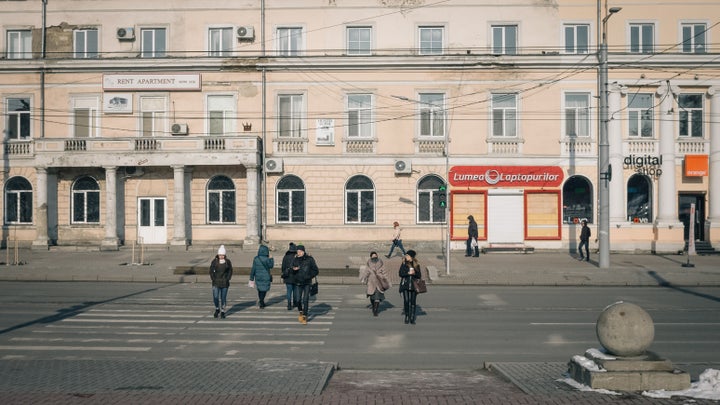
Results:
x,y
696,165
118,103
152,82
325,131
506,176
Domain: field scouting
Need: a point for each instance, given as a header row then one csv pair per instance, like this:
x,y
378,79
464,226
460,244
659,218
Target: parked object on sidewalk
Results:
x,y
260,273
220,273
409,271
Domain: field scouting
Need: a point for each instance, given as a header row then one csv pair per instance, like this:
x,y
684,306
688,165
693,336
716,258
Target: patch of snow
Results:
x,y
707,387
597,354
587,363
583,387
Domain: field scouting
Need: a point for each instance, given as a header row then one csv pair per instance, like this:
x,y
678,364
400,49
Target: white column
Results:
x,y
252,235
714,164
41,209
616,187
111,241
179,238
667,196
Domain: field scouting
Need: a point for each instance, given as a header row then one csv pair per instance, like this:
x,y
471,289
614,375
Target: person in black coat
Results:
x,y
409,270
304,269
472,237
286,274
220,273
584,241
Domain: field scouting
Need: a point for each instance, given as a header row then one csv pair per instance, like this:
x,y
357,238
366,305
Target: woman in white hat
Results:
x,y
220,274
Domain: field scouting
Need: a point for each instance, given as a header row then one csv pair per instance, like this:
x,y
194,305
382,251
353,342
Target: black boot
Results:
x,y
412,314
406,312
375,307
477,252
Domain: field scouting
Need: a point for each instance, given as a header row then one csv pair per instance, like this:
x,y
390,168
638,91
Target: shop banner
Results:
x,y
506,176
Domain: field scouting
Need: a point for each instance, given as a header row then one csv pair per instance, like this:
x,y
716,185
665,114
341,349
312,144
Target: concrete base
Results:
x,y
649,372
110,244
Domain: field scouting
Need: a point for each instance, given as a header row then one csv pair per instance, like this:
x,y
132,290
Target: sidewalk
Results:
x,y
504,269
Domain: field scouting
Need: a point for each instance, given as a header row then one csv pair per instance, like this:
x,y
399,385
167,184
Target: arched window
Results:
x,y
290,200
429,209
359,200
639,202
577,200
221,200
85,201
18,201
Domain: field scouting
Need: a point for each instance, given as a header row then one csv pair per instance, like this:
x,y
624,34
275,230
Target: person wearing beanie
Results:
x,y
260,273
286,274
304,269
409,270
396,240
220,273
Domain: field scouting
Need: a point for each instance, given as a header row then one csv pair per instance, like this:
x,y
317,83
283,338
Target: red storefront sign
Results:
x,y
506,176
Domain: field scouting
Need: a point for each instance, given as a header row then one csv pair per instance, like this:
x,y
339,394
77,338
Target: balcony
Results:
x,y
573,146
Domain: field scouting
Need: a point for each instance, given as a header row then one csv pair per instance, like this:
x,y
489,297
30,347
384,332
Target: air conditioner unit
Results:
x,y
273,165
403,167
246,33
179,129
125,33
131,171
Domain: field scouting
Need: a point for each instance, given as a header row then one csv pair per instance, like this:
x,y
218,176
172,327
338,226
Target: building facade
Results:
x,y
324,121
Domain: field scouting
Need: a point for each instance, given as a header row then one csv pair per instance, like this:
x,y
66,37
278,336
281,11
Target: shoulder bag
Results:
x,y
314,287
420,285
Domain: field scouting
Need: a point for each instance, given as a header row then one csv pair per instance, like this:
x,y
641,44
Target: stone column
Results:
x,y
713,221
617,184
111,240
252,236
179,238
41,209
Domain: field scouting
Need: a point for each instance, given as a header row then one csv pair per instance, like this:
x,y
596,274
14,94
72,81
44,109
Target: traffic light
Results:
x,y
442,193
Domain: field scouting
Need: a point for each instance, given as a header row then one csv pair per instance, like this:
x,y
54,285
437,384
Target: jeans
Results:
x,y
398,243
290,293
220,297
587,249
302,297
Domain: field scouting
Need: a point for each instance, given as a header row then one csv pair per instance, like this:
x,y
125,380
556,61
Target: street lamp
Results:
x,y
604,168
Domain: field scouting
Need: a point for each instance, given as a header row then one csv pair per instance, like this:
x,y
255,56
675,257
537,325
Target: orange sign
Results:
x,y
696,165
506,176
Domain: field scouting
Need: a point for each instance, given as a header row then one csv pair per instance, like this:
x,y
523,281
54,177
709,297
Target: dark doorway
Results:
x,y
684,201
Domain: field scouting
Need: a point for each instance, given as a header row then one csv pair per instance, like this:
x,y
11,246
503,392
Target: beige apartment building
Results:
x,y
186,122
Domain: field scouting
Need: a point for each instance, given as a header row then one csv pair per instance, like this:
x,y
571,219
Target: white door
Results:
x,y
152,226
506,216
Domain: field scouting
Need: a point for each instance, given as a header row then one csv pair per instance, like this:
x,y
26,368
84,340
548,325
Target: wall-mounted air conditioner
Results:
x,y
179,129
246,33
403,167
273,165
125,33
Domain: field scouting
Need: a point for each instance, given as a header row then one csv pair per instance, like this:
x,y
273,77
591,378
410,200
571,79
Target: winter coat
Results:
x,y
260,272
288,275
306,270
472,229
406,278
221,273
367,276
585,233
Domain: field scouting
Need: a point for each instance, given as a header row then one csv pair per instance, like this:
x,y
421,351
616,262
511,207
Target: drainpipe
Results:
x,y
42,71
263,198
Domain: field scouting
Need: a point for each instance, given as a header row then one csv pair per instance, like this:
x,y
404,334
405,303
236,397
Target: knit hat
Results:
x,y
221,250
411,253
300,247
292,247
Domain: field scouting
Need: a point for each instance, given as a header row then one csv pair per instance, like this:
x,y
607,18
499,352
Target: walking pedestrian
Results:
x,y
584,241
260,273
471,245
396,240
304,270
375,276
220,273
286,274
409,270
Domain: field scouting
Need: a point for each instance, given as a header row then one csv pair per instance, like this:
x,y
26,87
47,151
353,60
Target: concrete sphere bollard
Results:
x,y
625,329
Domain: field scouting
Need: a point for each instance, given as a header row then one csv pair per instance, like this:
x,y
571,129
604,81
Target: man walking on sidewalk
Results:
x,y
584,241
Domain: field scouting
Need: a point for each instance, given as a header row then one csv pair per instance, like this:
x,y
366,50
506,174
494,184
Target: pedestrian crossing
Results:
x,y
178,323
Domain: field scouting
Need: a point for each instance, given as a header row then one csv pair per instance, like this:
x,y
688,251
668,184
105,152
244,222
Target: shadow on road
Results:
x,y
664,283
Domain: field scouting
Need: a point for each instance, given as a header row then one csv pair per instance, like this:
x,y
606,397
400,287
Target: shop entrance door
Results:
x,y
152,227
506,216
684,201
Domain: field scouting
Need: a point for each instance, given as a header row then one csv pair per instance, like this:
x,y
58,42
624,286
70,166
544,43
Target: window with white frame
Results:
x,y
640,115
18,201
220,41
431,107
504,114
85,201
221,200
86,43
504,39
85,117
153,42
290,200
577,38
152,115
221,114
290,115
429,209
289,41
359,40
694,37
577,114
642,38
17,118
359,200
359,115
431,40
19,44
691,115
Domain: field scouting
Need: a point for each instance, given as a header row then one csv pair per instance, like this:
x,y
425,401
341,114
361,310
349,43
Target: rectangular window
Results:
x,y
504,114
153,43
86,43
85,117
221,115
691,115
640,115
432,114
504,39
431,40
359,115
577,114
152,116
577,38
290,115
19,206
291,206
18,118
289,41
693,38
220,41
359,40
642,38
19,44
